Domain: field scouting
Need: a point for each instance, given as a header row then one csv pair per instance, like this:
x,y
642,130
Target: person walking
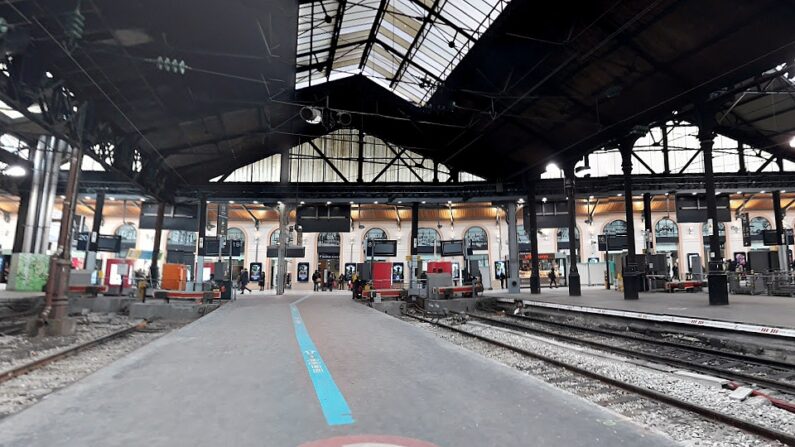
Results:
x,y
243,278
502,280
316,280
553,279
675,270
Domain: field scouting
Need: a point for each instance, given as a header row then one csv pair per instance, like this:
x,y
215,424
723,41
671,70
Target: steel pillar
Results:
x,y
716,278
415,223
281,260
202,236
783,257
93,238
531,228
55,313
34,201
513,249
154,270
631,271
647,224
575,289
48,172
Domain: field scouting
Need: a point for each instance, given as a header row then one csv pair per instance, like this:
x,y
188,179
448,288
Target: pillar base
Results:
x,y
54,328
631,285
535,285
513,285
717,286
574,284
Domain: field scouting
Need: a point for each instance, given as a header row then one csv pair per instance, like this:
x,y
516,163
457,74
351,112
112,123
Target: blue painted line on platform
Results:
x,y
332,402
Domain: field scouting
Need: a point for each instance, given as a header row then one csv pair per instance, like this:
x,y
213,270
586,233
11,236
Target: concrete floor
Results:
x,y
237,377
757,309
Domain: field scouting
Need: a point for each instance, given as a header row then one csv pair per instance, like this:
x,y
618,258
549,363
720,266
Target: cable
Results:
x,y
99,88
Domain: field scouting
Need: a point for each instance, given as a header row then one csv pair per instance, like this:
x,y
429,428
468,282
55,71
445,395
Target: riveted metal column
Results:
x,y
513,248
531,228
202,236
716,277
631,270
574,274
281,260
415,224
55,313
154,270
783,257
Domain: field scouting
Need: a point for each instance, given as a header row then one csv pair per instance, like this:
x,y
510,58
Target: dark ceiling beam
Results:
x,y
414,43
379,16
410,61
432,12
339,47
335,36
389,165
328,162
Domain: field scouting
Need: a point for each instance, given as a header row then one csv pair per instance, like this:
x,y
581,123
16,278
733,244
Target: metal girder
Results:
x,y
432,11
409,61
395,151
389,165
335,35
328,162
379,16
417,37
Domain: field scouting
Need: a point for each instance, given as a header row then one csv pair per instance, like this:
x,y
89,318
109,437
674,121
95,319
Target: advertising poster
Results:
x,y
456,271
303,272
350,269
255,271
397,272
500,268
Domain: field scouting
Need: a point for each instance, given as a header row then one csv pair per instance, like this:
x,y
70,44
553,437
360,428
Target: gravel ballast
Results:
x,y
683,427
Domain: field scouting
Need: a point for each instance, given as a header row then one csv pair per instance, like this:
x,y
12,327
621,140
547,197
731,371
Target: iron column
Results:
x,y
531,228
154,271
574,274
716,277
93,237
513,249
631,271
781,232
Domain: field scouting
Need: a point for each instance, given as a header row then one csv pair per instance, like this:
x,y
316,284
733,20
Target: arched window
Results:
x,y
128,235
181,240
275,238
563,237
706,231
427,239
757,225
477,238
235,234
666,230
328,240
615,227
375,234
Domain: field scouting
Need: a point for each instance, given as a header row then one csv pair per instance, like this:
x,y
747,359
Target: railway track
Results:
x,y
41,362
769,373
618,392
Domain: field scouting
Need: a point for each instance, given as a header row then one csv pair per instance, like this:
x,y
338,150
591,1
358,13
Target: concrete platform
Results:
x,y
760,313
102,304
174,311
238,377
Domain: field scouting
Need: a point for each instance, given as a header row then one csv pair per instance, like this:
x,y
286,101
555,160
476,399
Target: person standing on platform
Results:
x,y
244,281
675,270
316,280
553,278
502,280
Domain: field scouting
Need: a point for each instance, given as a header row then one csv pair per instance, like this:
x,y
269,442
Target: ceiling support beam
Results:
x,y
414,43
335,36
389,165
379,16
328,162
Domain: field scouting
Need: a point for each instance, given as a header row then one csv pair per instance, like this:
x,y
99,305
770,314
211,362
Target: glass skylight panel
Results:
x,y
433,34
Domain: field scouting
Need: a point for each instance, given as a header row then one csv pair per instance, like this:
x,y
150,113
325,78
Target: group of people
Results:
x,y
330,282
552,275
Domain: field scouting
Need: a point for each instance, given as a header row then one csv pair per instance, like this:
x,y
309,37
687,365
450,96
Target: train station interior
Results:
x,y
418,223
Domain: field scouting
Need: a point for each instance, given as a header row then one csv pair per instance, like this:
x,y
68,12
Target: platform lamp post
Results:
x,y
575,289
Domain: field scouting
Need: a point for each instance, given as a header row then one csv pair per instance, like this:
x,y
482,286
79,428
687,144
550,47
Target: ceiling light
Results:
x,y
400,201
348,202
544,199
311,115
35,108
552,167
328,203
590,197
142,199
376,202
762,191
279,202
620,194
111,198
792,142
694,193
63,197
231,201
302,202
423,202
739,192
783,191
48,74
87,197
521,200
255,202
449,202
15,171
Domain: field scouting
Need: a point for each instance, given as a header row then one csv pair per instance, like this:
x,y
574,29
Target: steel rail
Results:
x,y
68,352
769,433
770,383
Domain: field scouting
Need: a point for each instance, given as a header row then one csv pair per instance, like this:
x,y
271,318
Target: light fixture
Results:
x,y
111,199
739,192
551,167
423,202
311,115
783,191
255,202
400,201
87,197
590,197
544,199
302,202
35,108
521,200
142,199
761,192
279,202
620,194
62,196
376,202
694,193
231,201
348,202
449,202
792,142
328,202
15,171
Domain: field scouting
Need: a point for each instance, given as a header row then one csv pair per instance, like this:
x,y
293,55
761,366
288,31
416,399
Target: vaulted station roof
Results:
x,y
406,46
